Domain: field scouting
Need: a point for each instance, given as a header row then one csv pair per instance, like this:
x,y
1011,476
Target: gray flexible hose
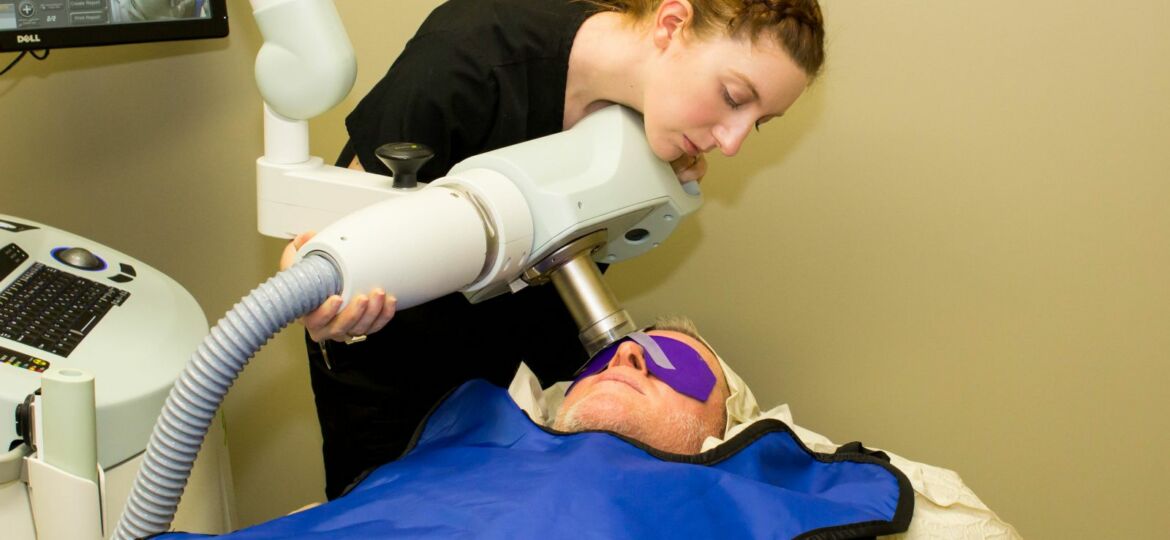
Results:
x,y
191,405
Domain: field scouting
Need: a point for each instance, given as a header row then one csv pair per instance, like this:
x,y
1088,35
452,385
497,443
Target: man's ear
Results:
x,y
670,19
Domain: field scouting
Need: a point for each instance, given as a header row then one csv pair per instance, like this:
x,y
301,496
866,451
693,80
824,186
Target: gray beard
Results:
x,y
685,433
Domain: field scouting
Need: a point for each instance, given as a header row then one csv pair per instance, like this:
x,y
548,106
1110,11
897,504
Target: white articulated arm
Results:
x,y
306,65
461,232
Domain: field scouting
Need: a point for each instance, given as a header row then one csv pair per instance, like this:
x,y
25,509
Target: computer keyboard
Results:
x,y
54,310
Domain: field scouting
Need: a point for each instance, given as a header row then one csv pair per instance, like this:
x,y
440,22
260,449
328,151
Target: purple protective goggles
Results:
x,y
670,360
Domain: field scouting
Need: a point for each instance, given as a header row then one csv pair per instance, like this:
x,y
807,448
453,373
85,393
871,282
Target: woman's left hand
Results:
x,y
690,168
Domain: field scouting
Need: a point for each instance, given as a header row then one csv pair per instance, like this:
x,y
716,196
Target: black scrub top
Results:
x,y
478,75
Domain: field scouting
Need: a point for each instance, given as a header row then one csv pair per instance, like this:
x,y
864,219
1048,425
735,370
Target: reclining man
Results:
x,y
944,507
656,437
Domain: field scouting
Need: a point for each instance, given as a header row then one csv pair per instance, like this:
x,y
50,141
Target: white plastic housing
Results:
x,y
533,198
417,247
68,422
310,196
599,175
64,472
53,491
16,510
286,141
507,219
306,65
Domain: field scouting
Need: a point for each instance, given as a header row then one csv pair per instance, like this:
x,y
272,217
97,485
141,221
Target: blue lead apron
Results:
x,y
480,468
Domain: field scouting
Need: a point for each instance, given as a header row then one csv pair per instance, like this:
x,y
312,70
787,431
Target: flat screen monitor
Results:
x,y
53,24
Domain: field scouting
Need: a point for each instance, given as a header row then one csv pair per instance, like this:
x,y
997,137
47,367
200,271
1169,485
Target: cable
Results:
x,y
44,55
14,61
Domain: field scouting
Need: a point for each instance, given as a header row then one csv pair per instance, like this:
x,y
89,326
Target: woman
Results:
x,y
483,74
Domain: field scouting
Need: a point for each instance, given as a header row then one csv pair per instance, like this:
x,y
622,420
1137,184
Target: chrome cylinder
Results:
x,y
594,308
592,305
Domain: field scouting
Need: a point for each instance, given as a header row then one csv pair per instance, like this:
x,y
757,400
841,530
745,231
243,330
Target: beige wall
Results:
x,y
954,247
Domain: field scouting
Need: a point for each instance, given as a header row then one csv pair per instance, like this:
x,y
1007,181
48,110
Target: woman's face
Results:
x,y
709,94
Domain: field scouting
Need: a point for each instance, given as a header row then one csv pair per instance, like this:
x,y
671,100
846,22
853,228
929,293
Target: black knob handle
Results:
x,y
24,414
404,160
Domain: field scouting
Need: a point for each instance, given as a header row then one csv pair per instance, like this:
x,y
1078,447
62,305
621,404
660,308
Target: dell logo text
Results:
x,y
28,38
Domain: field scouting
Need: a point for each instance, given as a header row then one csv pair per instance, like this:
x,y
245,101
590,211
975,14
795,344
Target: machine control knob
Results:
x,y
404,160
79,257
24,416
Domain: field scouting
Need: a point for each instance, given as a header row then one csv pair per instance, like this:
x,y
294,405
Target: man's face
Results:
x,y
627,399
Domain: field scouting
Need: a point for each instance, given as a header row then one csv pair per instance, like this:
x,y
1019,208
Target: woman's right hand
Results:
x,y
690,168
364,315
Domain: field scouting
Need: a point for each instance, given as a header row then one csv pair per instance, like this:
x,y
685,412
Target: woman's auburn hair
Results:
x,y
796,25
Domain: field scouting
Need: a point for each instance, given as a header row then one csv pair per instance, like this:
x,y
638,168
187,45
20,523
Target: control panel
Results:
x,y
67,301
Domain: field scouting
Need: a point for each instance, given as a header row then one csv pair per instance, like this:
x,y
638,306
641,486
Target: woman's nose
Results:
x,y
629,354
729,137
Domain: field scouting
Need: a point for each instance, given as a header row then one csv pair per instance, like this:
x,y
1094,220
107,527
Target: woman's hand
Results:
x,y
364,315
689,168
